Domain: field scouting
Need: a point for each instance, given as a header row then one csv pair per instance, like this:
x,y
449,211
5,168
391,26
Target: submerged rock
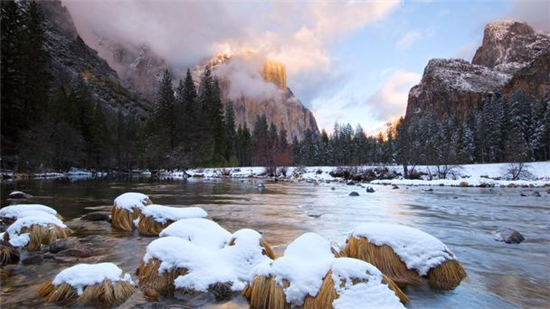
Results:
x,y
18,195
509,236
395,187
354,194
63,244
97,216
536,193
370,190
350,183
79,251
33,259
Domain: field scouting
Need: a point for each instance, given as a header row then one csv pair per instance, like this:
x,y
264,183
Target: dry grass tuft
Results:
x,y
4,274
383,258
42,235
8,254
446,276
105,294
147,226
398,292
264,292
149,277
123,219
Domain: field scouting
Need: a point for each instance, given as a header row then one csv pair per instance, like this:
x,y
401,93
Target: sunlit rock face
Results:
x,y
257,86
513,58
274,72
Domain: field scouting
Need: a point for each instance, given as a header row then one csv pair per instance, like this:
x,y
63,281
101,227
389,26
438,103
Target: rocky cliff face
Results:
x,y
262,91
72,60
509,45
513,57
138,67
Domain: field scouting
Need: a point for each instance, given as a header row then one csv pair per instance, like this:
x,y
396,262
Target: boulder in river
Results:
x,y
18,195
509,236
370,190
35,258
395,187
354,194
350,183
97,216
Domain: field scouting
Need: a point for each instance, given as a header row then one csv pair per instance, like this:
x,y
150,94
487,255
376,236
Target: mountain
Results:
x,y
72,60
257,86
513,57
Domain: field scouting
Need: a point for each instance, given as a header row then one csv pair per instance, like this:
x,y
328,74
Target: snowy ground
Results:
x,y
465,175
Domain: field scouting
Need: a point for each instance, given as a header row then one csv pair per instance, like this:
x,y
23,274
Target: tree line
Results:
x,y
190,125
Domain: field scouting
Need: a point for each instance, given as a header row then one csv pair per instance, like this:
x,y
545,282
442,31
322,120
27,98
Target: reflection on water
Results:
x,y
500,275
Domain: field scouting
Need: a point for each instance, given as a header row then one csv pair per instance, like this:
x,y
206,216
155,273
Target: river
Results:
x,y
499,275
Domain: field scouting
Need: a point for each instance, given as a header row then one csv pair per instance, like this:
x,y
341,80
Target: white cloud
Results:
x,y
412,37
534,12
390,100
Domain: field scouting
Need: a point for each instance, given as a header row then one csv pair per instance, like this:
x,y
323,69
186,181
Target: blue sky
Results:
x,y
400,46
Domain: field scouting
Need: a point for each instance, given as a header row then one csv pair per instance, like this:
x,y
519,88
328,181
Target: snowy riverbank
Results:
x,y
464,175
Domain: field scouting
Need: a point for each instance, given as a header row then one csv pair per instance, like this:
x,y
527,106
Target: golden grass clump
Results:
x,y
8,254
446,276
123,219
267,250
383,258
105,294
264,292
147,226
150,278
42,235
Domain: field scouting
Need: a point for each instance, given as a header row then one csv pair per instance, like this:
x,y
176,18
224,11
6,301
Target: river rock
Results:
x,y
536,193
395,187
350,183
97,216
370,190
32,259
333,188
79,251
64,244
354,194
509,236
18,195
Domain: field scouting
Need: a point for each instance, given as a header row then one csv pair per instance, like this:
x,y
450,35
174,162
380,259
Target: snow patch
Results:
x,y
22,210
201,232
162,214
130,200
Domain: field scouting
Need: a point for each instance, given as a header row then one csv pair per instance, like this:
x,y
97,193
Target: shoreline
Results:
x,y
472,175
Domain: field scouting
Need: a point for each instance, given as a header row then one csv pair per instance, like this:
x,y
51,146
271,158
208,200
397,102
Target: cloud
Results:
x,y
412,37
535,12
299,34
390,100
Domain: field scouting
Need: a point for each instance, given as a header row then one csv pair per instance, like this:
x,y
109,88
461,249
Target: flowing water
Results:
x,y
499,275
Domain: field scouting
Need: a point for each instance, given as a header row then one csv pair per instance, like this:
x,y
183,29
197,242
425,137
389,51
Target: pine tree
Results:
x,y
164,113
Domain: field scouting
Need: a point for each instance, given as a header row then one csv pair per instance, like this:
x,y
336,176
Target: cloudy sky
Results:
x,y
348,61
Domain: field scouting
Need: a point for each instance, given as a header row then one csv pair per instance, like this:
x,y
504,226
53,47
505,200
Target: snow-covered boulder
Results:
x,y
93,284
126,208
154,218
405,254
309,275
